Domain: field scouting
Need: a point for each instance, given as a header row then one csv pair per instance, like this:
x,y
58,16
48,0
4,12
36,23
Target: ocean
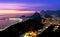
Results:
x,y
5,23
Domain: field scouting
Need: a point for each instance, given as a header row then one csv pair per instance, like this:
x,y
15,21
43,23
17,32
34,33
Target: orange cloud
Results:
x,y
14,11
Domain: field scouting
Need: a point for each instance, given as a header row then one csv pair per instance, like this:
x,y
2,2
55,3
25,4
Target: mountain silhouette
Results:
x,y
36,16
51,12
47,16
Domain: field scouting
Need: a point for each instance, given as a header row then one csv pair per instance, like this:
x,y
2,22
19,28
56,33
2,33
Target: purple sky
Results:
x,y
30,4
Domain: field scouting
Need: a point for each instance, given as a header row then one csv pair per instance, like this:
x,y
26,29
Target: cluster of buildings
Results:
x,y
54,20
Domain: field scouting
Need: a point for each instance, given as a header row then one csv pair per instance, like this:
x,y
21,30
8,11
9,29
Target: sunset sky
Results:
x,y
11,6
15,12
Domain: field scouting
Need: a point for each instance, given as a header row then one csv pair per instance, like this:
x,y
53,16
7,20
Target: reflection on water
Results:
x,y
5,23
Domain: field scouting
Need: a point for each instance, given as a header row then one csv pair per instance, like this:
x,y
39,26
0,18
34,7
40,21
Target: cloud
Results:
x,y
12,6
28,6
19,6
